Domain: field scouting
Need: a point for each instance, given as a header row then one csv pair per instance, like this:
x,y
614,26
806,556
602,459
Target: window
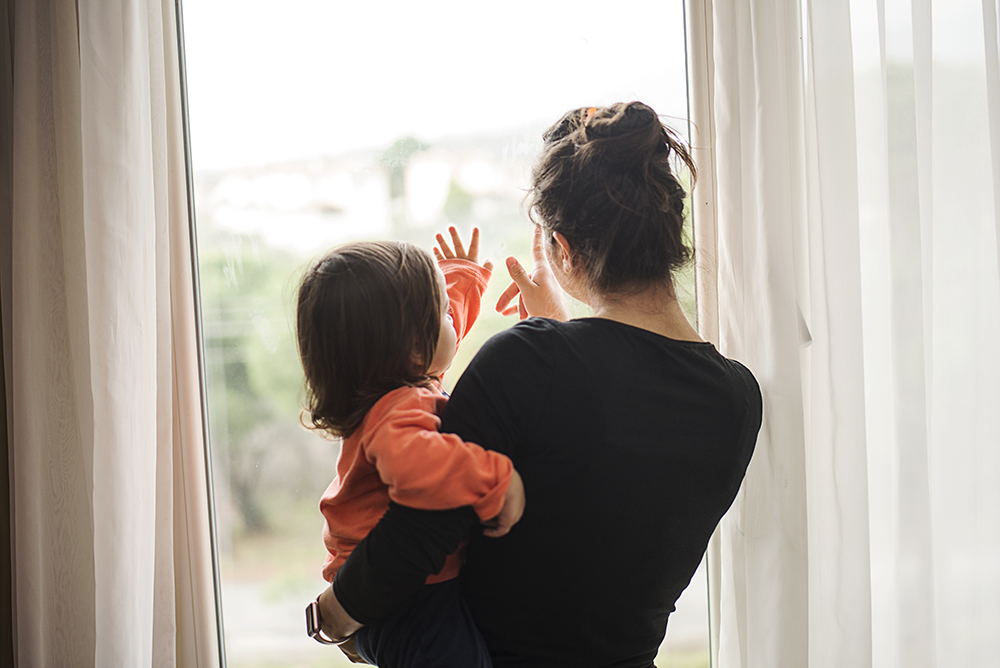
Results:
x,y
314,123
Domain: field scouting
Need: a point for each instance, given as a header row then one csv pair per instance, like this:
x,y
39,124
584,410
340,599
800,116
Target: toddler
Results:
x,y
378,323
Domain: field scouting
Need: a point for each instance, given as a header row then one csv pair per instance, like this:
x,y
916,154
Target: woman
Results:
x,y
631,433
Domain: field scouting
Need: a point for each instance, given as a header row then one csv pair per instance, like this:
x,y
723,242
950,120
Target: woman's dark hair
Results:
x,y
368,321
604,181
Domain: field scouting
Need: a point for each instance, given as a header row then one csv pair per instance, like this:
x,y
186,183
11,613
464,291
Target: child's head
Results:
x,y
372,316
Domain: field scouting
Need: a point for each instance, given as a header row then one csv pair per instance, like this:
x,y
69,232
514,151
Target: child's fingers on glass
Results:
x,y
457,243
445,249
457,249
473,254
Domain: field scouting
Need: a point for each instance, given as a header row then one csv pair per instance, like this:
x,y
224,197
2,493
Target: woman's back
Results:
x,y
631,447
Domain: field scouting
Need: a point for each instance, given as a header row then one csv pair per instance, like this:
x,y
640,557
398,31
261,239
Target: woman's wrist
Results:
x,y
334,620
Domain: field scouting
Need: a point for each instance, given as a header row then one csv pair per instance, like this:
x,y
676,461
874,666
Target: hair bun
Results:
x,y
623,135
605,182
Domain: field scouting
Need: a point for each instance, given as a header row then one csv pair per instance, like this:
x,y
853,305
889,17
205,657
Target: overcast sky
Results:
x,y
273,81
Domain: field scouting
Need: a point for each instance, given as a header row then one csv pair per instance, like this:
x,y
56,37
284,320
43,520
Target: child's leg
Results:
x,y
435,631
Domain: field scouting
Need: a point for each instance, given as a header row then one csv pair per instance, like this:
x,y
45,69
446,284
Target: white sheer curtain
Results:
x,y
109,512
848,214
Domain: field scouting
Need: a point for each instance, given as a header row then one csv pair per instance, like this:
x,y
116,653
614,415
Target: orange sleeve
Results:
x,y
466,282
426,469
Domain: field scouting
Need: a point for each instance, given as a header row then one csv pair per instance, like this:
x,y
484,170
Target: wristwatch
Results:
x,y
314,624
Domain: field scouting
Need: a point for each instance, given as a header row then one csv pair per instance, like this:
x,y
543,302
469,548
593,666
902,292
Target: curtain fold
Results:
x,y
760,582
110,515
6,211
856,158
836,453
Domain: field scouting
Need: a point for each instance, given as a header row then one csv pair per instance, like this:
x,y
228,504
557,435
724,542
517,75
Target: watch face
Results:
x,y
314,624
312,619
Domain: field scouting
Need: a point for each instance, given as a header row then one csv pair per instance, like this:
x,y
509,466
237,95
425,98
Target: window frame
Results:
x,y
697,44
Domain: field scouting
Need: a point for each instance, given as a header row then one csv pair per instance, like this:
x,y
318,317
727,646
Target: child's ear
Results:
x,y
417,364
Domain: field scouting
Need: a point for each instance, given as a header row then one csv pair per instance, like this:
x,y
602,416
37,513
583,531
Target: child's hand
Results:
x,y
513,508
538,292
444,252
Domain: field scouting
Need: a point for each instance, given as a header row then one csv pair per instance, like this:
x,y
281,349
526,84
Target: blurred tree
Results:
x,y
254,375
458,205
394,160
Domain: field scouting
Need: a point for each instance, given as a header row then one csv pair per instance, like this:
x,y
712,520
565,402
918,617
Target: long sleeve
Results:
x,y
426,469
466,281
398,454
407,545
394,560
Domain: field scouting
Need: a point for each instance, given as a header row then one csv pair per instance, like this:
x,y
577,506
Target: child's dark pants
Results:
x,y
434,631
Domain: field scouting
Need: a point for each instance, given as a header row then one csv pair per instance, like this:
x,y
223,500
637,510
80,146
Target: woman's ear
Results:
x,y
563,254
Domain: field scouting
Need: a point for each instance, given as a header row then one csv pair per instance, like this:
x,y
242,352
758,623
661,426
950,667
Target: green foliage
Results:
x,y
458,205
254,376
395,159
400,152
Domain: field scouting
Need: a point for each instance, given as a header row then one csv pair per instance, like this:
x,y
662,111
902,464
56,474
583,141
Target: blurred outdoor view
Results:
x,y
315,123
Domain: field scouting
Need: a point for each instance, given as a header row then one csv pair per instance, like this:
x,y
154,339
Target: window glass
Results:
x,y
315,123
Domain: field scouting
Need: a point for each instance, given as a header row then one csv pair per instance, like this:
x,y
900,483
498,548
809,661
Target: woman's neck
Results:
x,y
654,309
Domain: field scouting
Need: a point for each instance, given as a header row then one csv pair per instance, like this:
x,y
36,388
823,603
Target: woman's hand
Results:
x,y
513,508
444,252
351,652
334,620
540,293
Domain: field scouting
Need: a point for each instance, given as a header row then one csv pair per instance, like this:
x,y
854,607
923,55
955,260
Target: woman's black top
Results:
x,y
631,447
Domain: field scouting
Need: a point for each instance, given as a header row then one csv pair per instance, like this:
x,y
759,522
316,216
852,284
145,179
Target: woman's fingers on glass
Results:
x,y
517,272
506,298
538,246
539,292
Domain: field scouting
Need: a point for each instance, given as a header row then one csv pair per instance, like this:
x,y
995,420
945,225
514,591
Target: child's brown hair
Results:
x,y
368,320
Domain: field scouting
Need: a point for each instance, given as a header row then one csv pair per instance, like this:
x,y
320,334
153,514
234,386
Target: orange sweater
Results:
x,y
398,454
